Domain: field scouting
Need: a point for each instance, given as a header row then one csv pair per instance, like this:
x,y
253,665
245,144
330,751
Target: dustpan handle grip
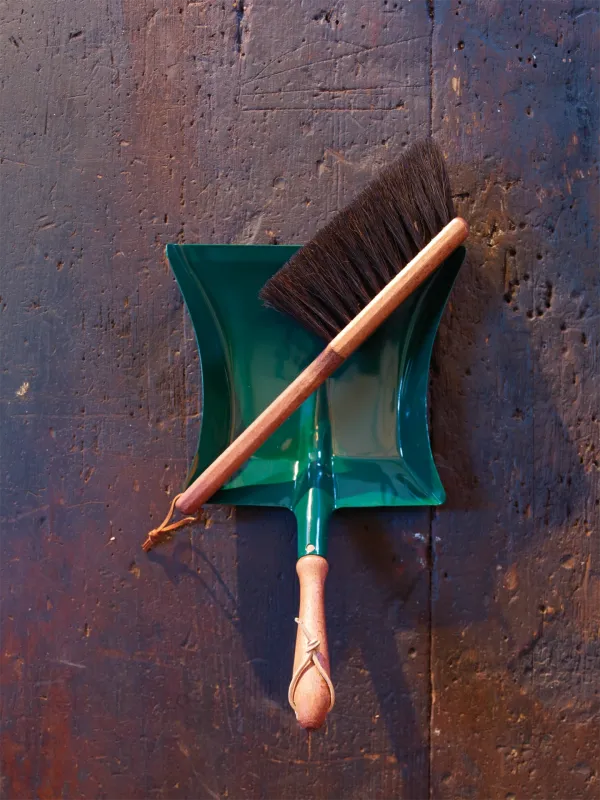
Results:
x,y
311,692
336,352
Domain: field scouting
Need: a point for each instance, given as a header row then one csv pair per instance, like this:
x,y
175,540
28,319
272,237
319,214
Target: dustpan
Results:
x,y
361,440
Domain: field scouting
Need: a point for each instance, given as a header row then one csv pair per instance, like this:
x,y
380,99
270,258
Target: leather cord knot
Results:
x,y
312,658
166,527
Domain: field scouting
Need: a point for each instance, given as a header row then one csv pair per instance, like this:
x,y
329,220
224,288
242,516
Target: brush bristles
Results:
x,y
326,283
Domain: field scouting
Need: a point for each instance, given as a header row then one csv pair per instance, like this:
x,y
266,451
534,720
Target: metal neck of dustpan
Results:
x,y
314,499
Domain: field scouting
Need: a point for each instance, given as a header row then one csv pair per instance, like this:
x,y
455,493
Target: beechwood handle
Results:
x,y
311,693
334,354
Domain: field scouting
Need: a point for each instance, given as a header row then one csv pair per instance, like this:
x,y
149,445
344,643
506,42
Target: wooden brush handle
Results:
x,y
311,694
345,343
258,431
400,287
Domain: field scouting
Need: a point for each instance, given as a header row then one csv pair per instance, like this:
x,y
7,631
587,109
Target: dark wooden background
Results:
x,y
465,640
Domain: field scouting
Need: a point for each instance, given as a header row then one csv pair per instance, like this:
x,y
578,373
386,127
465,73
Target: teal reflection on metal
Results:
x,y
361,440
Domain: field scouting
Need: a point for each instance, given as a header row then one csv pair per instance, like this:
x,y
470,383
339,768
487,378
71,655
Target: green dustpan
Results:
x,y
360,440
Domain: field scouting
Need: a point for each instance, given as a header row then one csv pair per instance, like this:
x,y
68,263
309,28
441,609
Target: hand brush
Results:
x,y
342,286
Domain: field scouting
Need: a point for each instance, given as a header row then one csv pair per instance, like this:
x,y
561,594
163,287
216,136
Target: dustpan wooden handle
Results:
x,y
345,343
311,693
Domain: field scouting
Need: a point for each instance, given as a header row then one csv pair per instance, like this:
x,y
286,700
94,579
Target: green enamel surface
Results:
x,y
360,440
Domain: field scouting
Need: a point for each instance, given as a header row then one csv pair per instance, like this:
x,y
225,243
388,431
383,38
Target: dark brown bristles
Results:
x,y
326,283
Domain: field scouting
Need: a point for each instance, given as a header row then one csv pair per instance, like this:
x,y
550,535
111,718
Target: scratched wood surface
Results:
x,y
516,572
465,642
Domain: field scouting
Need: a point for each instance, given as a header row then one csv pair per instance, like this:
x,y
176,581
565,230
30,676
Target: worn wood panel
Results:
x,y
515,623
125,125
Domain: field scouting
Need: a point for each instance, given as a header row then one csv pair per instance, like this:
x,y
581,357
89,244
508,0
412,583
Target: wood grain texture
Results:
x,y
516,395
125,125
